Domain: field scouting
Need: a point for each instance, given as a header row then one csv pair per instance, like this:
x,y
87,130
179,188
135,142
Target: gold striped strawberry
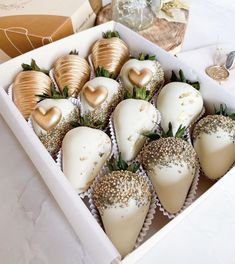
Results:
x,y
29,82
72,71
110,52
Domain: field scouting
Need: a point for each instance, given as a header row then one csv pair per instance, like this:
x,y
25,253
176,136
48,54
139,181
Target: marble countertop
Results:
x,y
33,230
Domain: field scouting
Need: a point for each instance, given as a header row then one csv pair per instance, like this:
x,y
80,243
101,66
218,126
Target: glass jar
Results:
x,y
135,14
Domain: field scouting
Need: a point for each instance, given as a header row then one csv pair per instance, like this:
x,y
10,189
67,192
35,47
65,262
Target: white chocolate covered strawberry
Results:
x,y
131,119
142,72
84,152
214,142
171,164
99,97
179,103
123,200
51,120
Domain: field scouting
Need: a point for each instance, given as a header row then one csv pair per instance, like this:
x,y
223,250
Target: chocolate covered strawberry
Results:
x,y
145,71
179,103
84,152
123,199
28,83
53,118
99,97
171,163
72,71
214,142
110,53
131,119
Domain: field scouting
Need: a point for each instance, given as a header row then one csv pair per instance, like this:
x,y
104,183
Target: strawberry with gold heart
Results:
x,y
145,71
99,97
53,118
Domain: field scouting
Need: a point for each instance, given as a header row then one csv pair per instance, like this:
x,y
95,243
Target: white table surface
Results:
x,y
33,230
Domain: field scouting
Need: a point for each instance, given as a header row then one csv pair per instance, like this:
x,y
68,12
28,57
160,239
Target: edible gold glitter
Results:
x,y
211,123
118,187
167,151
101,114
54,137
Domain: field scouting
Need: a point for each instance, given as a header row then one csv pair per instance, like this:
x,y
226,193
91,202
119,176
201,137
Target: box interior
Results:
x,y
45,57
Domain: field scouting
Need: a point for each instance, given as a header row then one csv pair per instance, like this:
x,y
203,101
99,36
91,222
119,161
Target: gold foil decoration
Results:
x,y
47,119
110,54
26,86
72,71
95,96
140,78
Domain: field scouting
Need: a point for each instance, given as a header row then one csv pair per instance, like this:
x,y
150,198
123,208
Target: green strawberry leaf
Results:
x,y
33,67
111,34
138,93
152,135
74,52
102,72
181,78
87,121
118,164
143,57
223,110
54,94
134,167
180,133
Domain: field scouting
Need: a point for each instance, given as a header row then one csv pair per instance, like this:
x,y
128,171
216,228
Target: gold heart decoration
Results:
x,y
95,96
140,78
47,119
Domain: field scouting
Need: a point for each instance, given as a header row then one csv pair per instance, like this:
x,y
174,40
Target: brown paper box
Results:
x,y
26,25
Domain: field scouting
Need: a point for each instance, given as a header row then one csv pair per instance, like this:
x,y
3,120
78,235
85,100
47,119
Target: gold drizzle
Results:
x,y
72,71
26,86
110,54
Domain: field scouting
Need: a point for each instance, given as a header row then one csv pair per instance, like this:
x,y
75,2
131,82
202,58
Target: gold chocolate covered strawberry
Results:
x,y
145,71
31,81
110,52
72,71
53,118
99,97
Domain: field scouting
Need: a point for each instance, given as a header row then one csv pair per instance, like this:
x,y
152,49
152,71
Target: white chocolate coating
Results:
x,y
216,153
180,104
65,106
123,225
172,185
111,85
132,118
84,152
138,65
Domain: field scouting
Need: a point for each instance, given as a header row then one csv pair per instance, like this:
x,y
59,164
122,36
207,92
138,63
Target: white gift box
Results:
x,y
85,226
